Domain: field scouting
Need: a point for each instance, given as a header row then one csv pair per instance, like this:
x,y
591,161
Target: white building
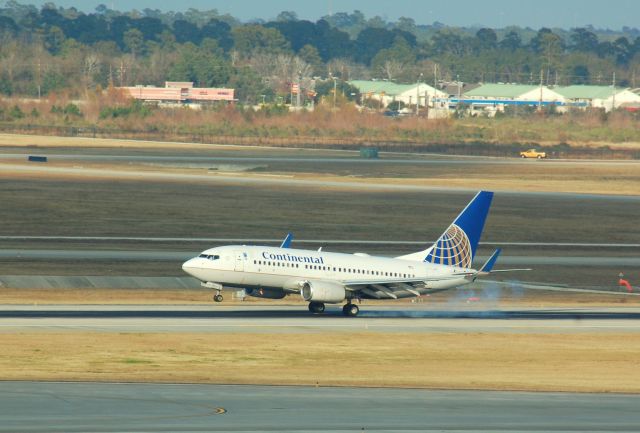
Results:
x,y
606,97
388,92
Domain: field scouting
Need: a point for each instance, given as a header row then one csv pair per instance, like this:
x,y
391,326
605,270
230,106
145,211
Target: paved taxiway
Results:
x,y
254,241
181,256
285,180
456,316
72,407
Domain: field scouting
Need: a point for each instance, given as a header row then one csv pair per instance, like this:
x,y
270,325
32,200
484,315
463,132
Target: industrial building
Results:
x,y
495,97
180,92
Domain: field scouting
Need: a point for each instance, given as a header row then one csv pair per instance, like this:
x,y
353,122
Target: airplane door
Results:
x,y
239,261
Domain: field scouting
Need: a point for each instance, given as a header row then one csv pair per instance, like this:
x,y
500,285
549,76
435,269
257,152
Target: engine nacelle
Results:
x,y
266,293
322,291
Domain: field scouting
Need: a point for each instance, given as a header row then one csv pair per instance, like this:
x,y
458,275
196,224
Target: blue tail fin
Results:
x,y
457,246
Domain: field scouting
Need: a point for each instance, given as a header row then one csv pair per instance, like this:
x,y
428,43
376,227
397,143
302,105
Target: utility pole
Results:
x,y
121,72
541,82
418,95
335,92
299,90
39,78
435,86
426,103
613,89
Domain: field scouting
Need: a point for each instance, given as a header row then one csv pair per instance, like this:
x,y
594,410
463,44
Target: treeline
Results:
x,y
54,49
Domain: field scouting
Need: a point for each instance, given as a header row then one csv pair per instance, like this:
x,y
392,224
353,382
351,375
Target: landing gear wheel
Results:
x,y
218,298
316,307
350,310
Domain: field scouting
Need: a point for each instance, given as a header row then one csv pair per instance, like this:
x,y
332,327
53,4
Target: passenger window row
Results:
x,y
335,269
280,264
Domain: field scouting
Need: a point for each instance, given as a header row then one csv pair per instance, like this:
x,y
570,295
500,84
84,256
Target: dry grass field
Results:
x,y
534,362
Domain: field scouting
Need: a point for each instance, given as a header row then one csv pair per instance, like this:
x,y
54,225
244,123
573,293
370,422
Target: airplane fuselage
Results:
x,y
285,269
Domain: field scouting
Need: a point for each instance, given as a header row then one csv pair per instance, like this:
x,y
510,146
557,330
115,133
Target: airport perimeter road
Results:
x,y
82,407
425,318
348,157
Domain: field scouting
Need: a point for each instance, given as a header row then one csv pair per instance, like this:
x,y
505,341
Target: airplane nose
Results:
x,y
188,266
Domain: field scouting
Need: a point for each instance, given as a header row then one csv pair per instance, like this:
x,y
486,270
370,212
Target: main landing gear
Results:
x,y
218,297
349,310
316,307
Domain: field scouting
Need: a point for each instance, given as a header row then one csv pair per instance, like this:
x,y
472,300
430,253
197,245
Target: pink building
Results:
x,y
176,91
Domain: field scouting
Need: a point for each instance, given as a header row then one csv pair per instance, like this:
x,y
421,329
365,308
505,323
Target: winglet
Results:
x,y
488,265
286,243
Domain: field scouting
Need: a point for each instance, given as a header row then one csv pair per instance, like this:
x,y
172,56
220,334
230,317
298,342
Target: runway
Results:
x,y
101,407
456,316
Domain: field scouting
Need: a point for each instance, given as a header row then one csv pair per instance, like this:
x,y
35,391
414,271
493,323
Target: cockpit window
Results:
x,y
209,256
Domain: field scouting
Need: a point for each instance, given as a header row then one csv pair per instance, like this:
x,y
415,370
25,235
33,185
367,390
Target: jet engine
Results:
x,y
322,291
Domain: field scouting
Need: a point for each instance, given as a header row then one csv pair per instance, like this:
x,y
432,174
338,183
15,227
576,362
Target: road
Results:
x,y
350,158
454,316
82,407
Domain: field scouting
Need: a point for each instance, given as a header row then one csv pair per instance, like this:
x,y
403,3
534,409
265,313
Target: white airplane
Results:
x,y
331,278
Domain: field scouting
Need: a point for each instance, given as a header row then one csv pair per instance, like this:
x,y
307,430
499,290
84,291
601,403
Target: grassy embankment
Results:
x,y
577,135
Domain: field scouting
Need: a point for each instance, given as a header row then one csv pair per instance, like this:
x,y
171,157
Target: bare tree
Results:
x,y
392,68
90,66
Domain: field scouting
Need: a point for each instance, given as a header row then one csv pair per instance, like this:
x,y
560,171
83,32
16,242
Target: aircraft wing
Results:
x,y
397,288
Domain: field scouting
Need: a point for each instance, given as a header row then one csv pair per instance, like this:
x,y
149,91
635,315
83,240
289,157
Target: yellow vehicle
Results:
x,y
532,153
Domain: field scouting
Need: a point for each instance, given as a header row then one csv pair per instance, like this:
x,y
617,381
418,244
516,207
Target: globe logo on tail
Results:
x,y
452,249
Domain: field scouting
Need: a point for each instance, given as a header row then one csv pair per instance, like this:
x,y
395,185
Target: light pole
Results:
x,y
335,91
418,95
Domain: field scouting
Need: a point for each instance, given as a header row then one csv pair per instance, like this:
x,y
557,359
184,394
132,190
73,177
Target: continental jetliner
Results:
x,y
331,278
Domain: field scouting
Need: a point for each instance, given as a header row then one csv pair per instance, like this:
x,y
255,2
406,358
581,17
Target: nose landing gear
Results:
x,y
215,286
